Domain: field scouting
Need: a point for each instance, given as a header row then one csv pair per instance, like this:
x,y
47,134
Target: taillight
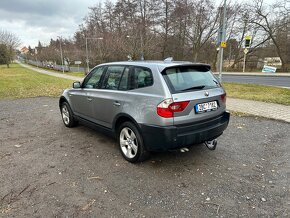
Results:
x,y
224,98
167,108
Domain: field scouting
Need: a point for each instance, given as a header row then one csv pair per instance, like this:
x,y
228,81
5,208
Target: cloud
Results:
x,y
34,20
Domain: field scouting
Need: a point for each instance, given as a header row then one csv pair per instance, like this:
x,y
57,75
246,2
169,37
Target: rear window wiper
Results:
x,y
216,82
193,88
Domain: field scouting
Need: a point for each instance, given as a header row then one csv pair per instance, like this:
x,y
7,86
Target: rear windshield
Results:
x,y
189,78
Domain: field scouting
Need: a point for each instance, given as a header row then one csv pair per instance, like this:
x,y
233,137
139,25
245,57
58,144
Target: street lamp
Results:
x,y
141,46
87,54
61,54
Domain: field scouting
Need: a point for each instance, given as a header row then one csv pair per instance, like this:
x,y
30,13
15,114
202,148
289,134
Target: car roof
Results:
x,y
160,64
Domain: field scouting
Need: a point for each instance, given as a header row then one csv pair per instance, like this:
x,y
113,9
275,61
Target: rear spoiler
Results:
x,y
199,67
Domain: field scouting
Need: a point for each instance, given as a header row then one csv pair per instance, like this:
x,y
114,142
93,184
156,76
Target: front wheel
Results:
x,y
131,143
67,115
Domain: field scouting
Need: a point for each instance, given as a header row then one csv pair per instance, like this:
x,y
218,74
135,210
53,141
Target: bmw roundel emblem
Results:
x,y
206,94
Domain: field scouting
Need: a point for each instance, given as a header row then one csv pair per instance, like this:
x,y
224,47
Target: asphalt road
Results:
x,y
48,170
262,80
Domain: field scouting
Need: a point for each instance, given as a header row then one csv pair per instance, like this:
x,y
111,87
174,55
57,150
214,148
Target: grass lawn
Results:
x,y
258,93
19,82
79,74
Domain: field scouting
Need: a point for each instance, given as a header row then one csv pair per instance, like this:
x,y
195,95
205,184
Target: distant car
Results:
x,y
49,65
149,105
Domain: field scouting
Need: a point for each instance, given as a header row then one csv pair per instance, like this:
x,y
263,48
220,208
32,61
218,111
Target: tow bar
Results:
x,y
211,145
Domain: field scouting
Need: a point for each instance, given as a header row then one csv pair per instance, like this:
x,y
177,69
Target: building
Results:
x,y
24,50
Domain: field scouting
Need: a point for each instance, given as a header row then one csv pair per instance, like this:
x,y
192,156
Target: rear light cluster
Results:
x,y
167,108
224,98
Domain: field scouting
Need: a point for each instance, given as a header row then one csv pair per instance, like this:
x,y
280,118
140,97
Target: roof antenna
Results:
x,y
169,59
129,58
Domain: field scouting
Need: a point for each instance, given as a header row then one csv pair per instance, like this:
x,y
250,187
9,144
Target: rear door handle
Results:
x,y
116,103
89,99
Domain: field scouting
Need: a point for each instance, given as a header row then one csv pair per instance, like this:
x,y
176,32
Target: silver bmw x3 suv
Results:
x,y
149,105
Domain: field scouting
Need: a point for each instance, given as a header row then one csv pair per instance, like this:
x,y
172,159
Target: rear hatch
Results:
x,y
196,86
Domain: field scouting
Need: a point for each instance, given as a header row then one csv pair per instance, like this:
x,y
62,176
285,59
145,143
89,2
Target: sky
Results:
x,y
41,20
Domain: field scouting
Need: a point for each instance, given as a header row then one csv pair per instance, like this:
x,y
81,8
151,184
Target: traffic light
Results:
x,y
248,41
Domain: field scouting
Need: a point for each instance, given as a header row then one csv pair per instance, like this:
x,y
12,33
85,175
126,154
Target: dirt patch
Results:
x,y
49,170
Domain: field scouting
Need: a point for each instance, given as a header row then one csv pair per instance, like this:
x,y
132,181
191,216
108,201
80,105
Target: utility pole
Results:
x,y
246,50
61,54
245,56
87,56
222,44
142,47
87,53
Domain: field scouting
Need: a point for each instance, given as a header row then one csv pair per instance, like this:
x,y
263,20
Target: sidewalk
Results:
x,y
261,109
60,75
257,108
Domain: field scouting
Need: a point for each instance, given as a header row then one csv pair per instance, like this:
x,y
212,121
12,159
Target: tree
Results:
x,y
273,20
39,48
4,55
183,29
11,42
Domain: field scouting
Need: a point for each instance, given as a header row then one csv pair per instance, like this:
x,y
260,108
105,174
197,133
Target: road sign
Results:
x,y
78,62
223,44
269,69
246,51
248,37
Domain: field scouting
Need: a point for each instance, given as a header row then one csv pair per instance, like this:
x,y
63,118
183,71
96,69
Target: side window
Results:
x,y
142,77
93,81
114,75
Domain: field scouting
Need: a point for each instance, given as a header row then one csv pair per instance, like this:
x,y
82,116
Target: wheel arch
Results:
x,y
121,118
61,100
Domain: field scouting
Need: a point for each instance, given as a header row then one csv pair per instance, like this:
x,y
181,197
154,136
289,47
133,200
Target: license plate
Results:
x,y
205,107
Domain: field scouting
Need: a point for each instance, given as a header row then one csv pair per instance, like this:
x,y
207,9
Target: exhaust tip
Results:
x,y
184,150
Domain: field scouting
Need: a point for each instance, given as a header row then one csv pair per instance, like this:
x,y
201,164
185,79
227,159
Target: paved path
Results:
x,y
268,110
60,75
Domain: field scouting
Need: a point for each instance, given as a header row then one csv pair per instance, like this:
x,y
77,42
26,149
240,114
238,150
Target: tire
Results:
x,y
131,143
67,115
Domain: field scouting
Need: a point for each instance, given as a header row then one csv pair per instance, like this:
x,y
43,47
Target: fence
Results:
x,y
49,65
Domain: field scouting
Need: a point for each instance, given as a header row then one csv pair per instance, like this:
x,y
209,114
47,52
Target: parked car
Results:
x,y
149,105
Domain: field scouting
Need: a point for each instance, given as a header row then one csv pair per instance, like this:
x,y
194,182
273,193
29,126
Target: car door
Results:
x,y
107,102
80,98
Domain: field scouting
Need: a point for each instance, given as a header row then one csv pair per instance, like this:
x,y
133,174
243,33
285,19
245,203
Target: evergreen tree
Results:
x,y
4,55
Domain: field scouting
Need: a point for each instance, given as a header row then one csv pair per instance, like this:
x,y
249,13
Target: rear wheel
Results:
x,y
67,115
131,143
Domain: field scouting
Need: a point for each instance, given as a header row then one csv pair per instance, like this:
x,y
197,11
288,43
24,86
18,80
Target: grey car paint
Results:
x,y
102,106
196,97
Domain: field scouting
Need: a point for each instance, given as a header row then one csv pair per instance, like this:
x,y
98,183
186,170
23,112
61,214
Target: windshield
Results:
x,y
189,78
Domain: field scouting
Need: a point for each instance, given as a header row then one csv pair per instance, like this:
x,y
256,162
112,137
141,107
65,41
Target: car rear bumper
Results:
x,y
158,138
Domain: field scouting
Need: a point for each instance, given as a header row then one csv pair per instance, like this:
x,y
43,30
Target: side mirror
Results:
x,y
76,85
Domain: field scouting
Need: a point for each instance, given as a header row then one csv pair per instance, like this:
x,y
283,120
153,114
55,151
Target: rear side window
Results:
x,y
189,78
114,75
141,77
